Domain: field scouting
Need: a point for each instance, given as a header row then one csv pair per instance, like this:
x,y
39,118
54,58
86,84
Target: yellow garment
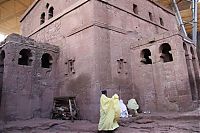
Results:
x,y
109,113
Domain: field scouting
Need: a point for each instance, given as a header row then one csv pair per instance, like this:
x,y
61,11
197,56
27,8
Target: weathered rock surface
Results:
x,y
49,126
151,123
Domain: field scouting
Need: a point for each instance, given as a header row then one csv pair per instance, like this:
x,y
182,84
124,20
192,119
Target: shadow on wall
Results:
x,y
79,86
81,90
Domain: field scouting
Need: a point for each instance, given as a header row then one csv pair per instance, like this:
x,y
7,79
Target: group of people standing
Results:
x,y
111,109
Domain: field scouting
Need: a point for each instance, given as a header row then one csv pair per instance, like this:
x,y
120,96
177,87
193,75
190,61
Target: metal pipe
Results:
x,y
178,17
194,22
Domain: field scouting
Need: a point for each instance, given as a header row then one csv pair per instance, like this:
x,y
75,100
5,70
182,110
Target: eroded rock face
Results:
x,y
100,45
28,78
151,123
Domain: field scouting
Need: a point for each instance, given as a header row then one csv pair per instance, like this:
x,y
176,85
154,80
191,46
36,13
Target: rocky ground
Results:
x,y
145,123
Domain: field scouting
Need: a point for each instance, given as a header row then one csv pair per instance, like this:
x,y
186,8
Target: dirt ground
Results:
x,y
145,123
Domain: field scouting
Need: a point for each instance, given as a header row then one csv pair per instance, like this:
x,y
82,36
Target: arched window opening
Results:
x,y
25,57
42,18
166,55
145,55
47,5
51,9
47,60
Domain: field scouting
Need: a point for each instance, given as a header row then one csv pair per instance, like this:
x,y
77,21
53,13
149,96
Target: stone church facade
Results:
x,y
83,47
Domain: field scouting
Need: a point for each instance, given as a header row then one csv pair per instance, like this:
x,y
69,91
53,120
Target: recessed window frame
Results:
x,y
166,53
46,61
150,16
47,5
50,12
25,58
42,18
135,8
161,21
145,55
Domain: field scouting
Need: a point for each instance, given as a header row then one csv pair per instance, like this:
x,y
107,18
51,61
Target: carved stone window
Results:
x,y
46,60
146,56
166,55
161,22
42,18
122,66
25,57
51,9
135,8
70,66
150,16
47,5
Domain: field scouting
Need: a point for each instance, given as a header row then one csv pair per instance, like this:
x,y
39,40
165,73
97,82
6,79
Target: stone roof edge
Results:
x,y
43,46
37,1
29,10
162,7
26,41
56,17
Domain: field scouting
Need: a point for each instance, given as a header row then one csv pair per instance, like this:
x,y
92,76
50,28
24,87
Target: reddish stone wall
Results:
x,y
163,86
28,90
29,24
98,35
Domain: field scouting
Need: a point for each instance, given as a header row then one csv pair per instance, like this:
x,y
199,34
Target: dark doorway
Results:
x,y
42,18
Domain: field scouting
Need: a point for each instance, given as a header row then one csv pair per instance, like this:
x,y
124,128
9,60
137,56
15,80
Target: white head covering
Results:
x,y
124,112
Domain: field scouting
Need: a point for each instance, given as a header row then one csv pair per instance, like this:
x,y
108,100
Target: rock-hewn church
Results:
x,y
83,47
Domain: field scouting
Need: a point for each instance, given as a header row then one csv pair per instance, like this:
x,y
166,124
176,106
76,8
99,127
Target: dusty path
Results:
x,y
149,123
160,126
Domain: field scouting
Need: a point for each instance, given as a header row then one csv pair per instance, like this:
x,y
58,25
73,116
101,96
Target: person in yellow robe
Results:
x,y
109,113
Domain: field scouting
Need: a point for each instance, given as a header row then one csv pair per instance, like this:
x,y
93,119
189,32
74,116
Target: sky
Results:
x,y
2,37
